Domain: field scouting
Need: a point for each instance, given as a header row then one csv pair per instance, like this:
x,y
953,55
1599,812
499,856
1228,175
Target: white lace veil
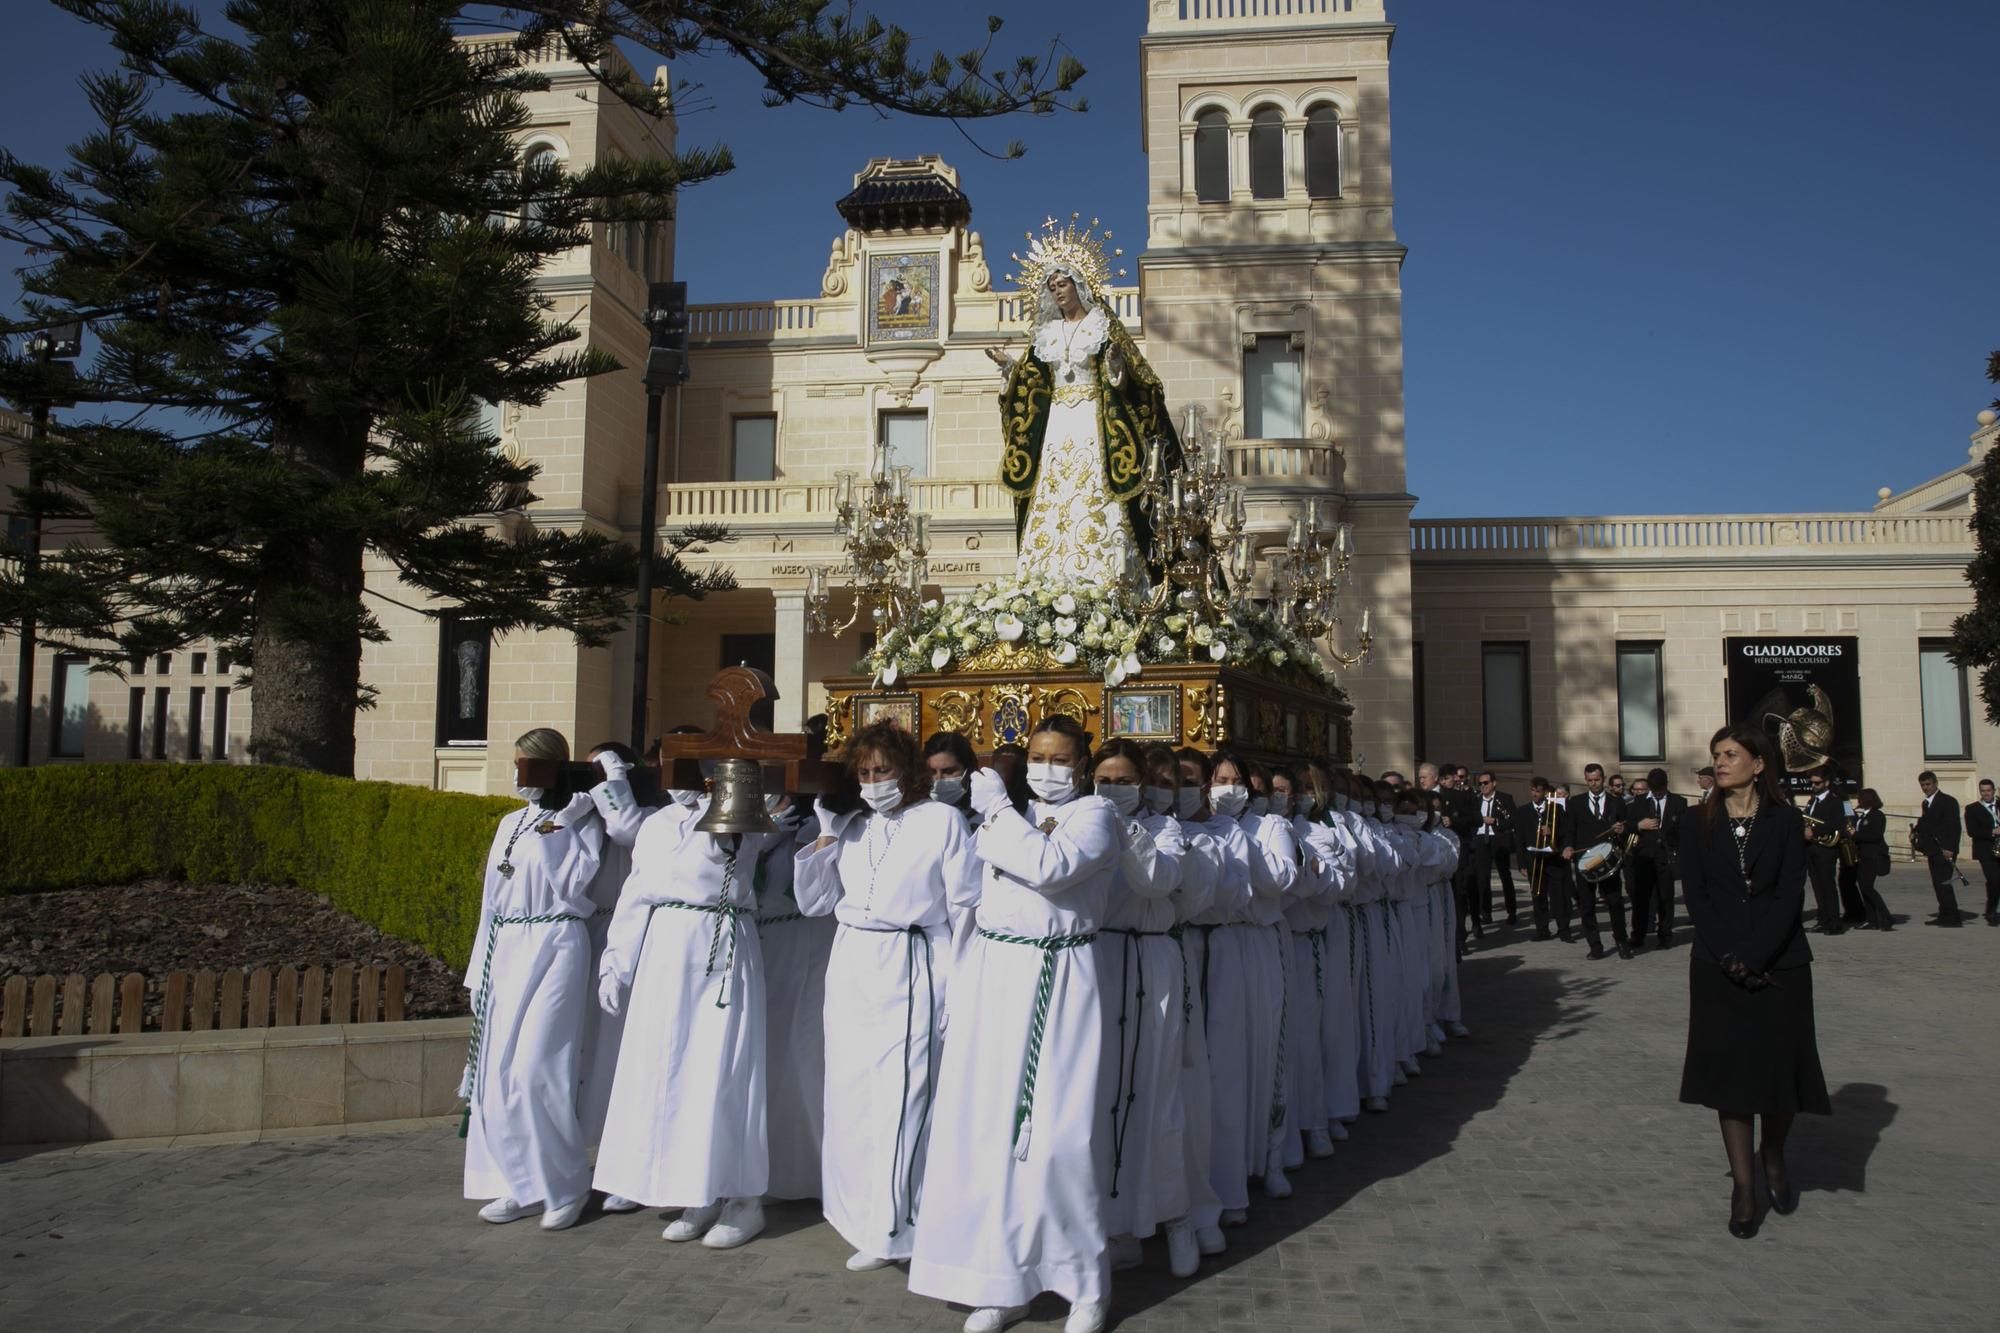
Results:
x,y
1045,301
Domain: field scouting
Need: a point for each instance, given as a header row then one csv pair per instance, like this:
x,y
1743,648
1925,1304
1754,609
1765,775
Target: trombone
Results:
x,y
1544,844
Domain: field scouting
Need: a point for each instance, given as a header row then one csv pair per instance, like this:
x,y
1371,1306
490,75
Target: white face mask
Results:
x,y
1308,806
528,794
1053,783
683,796
773,801
948,790
1161,799
1410,821
1368,809
1186,801
1229,801
1340,801
1124,796
883,796
1260,805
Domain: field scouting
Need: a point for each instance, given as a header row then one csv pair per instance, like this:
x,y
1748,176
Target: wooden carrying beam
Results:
x,y
792,761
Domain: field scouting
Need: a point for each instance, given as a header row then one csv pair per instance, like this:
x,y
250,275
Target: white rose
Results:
x,y
939,656
1163,645
1065,605
1065,653
1044,632
1204,634
1007,627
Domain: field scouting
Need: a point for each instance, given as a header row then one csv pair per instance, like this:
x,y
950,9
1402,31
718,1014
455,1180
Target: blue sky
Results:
x,y
1695,256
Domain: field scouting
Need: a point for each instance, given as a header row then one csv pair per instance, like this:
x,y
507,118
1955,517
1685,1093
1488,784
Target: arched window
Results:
x,y
1323,152
1211,157
1267,153
539,156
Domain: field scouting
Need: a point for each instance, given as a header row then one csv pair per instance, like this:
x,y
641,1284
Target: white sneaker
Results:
x,y
1086,1317
1375,1104
1337,1131
1434,1033
741,1221
1276,1185
1458,1029
1400,1077
993,1318
1433,1048
866,1263
692,1223
1235,1217
506,1210
1210,1241
1125,1253
618,1203
1318,1144
563,1216
1183,1250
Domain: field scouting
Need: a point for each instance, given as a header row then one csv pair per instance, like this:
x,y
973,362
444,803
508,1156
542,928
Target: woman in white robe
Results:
x,y
622,814
1016,1114
1339,1035
892,875
686,1127
1440,939
1325,861
1406,940
1145,1027
530,978
1274,877
1377,989
1202,883
796,947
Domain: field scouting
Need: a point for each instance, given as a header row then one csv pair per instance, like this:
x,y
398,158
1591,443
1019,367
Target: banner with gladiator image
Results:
x,y
1805,693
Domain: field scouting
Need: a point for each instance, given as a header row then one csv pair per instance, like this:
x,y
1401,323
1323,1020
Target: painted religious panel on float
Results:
x,y
1806,695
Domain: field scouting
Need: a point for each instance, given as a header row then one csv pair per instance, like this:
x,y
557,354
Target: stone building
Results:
x,y
1268,294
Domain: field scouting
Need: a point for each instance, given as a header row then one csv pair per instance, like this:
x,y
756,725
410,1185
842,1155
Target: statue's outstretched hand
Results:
x,y
999,358
1114,365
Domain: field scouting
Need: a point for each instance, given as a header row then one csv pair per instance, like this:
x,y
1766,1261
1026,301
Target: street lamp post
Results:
x,y
666,367
55,345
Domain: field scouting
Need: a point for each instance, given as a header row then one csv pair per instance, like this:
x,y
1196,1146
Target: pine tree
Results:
x,y
304,267
1975,636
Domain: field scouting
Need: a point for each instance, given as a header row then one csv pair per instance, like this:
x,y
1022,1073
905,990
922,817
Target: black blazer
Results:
x,y
1580,828
1763,928
1503,821
1525,821
1871,842
1937,829
1979,827
1662,843
1826,808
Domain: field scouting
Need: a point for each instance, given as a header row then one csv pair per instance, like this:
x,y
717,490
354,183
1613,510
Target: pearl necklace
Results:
x,y
876,859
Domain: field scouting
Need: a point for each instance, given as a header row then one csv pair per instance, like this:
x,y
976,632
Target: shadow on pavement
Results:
x,y
1831,1152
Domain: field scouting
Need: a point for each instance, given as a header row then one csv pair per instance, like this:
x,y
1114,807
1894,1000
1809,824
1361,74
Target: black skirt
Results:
x,y
1752,1051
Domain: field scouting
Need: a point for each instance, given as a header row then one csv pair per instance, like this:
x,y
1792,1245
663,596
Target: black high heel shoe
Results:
x,y
1784,1205
1744,1230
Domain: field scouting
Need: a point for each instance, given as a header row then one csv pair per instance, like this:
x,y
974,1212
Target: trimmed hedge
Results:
x,y
407,860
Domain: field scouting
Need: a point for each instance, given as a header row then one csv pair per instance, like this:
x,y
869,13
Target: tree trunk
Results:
x,y
306,655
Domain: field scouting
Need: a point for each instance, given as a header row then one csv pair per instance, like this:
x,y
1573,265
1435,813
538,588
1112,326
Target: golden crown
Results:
x,y
1067,247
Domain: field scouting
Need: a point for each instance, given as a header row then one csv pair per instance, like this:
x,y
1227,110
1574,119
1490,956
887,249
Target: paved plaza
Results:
x,y
1538,1176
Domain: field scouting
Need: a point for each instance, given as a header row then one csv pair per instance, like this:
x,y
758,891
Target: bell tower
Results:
x,y
1272,288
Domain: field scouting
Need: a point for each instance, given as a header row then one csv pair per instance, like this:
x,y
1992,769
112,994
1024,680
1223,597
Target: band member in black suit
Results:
x,y
1489,838
1936,835
1824,817
1538,836
1870,830
1656,814
1982,820
1592,816
1853,909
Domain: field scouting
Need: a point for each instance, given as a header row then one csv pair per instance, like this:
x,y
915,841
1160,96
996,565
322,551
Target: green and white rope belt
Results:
x,y
1045,983
723,913
1284,1017
484,1000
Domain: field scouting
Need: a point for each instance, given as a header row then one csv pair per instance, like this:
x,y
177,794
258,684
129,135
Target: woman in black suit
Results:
x,y
1872,844
1751,1049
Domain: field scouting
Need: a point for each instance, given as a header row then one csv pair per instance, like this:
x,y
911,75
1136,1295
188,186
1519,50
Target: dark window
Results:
x,y
18,530
753,448
1323,153
1505,721
196,700
69,712
1267,154
135,720
138,664
465,652
200,664
752,650
1211,157
1947,711
1417,697
160,698
163,663
1642,703
220,749
222,663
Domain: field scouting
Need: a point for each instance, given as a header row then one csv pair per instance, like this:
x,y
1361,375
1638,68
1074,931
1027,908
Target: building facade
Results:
x,y
1268,295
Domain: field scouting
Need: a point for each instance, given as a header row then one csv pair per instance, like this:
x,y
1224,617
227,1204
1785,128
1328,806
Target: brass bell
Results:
x,y
736,805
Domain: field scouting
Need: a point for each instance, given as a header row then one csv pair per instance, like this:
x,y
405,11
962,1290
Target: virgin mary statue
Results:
x,y
1078,411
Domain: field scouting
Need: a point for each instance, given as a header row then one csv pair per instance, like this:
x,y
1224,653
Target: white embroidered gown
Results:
x,y
1075,532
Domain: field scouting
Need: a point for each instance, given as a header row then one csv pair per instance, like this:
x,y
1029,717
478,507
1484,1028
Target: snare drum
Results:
x,y
1599,861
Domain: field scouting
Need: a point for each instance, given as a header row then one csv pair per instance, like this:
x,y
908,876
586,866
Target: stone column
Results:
x,y
789,662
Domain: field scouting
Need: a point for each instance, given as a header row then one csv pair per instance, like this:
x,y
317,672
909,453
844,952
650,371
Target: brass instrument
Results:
x,y
1545,838
1836,837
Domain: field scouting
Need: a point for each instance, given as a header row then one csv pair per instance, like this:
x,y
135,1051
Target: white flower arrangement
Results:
x,y
1099,629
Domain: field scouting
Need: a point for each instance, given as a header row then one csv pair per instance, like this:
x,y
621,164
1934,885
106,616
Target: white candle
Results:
x,y
1365,617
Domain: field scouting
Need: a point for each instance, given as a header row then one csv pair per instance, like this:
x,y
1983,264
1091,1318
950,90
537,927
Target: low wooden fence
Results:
x,y
203,1001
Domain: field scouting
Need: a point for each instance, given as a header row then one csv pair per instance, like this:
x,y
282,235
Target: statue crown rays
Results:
x,y
1069,247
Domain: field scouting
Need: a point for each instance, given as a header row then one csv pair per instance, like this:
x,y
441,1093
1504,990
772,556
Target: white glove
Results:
x,y
465,1083
610,993
832,822
989,791
614,767
790,818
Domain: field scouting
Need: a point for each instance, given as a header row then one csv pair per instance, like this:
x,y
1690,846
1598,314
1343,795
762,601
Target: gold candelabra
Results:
x,y
886,545
1197,518
1306,574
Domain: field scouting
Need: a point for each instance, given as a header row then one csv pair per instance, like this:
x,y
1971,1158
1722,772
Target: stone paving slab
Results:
x,y
1540,1176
